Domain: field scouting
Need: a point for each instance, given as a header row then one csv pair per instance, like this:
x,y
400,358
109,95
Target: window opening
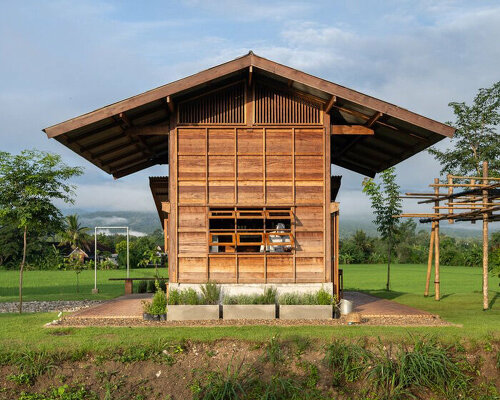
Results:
x,y
250,230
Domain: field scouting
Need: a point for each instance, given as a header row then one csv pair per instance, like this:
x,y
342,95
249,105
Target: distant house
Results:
x,y
249,197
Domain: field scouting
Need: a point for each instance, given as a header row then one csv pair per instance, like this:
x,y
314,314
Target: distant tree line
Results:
x,y
48,247
411,246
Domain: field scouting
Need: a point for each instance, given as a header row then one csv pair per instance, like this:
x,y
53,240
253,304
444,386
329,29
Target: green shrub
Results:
x,y
151,286
210,293
159,302
142,287
186,296
268,297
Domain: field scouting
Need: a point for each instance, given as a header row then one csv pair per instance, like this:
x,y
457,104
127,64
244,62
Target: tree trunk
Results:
x,y
21,269
389,248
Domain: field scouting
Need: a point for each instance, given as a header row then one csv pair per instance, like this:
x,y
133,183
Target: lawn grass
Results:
x,y
461,304
61,285
461,292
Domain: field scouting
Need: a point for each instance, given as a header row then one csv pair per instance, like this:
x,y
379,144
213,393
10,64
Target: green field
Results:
x,y
61,285
461,304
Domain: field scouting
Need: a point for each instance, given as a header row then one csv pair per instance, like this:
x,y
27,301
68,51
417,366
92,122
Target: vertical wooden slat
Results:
x,y
327,195
207,222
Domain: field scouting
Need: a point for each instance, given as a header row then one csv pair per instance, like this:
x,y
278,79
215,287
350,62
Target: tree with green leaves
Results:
x,y
30,182
476,138
386,203
74,234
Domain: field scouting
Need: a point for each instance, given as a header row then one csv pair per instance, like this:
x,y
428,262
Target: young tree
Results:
x,y
29,184
74,234
476,138
385,203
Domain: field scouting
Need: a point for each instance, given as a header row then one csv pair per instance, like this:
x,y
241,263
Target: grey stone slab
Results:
x,y
305,312
249,311
192,313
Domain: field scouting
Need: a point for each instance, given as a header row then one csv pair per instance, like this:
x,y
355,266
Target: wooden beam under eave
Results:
x,y
150,130
330,104
170,103
165,206
351,130
374,118
250,75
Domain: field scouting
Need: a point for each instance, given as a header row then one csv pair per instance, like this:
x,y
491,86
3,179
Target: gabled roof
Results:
x,y
105,138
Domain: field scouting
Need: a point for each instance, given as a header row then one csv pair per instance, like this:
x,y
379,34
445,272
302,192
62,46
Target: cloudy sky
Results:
x,y
60,59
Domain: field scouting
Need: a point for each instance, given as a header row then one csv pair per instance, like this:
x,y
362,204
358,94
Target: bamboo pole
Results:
x,y
450,202
429,260
436,244
485,243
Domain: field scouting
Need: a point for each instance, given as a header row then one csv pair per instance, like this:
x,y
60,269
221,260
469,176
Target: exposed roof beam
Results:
x,y
330,103
374,118
250,74
351,130
170,104
150,130
354,167
138,165
367,118
347,147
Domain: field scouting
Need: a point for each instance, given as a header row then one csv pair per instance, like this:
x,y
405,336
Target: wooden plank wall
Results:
x,y
259,166
278,157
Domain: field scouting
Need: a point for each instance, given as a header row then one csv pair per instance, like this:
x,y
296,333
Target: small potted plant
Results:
x,y
146,310
159,304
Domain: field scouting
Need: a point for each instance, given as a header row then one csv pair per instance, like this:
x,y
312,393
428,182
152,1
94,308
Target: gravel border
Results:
x,y
48,306
388,320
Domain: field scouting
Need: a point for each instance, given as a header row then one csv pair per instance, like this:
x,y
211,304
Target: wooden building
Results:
x,y
249,197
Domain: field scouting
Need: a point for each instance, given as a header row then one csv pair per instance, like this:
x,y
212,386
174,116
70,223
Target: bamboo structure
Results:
x,y
479,201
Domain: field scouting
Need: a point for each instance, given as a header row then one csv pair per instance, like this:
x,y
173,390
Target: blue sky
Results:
x,y
60,59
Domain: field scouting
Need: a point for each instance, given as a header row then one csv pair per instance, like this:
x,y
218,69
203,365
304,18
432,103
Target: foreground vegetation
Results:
x,y
275,368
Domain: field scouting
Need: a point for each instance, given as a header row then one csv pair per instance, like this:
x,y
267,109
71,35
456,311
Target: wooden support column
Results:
x,y
485,241
436,243
429,260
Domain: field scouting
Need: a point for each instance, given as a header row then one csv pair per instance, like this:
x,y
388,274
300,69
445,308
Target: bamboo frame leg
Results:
x,y
429,261
436,262
485,243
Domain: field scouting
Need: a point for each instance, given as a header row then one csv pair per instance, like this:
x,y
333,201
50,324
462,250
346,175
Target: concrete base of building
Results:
x,y
249,311
305,312
192,313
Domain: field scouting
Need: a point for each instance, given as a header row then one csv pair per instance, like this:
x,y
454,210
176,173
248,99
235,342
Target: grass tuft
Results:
x,y
346,361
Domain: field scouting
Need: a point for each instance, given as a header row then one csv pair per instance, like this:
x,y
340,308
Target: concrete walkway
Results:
x,y
372,306
129,306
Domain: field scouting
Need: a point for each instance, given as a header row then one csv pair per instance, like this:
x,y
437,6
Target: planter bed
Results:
x,y
249,311
192,313
305,312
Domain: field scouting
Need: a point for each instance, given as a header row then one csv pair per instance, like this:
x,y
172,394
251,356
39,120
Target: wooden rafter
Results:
x,y
351,130
330,103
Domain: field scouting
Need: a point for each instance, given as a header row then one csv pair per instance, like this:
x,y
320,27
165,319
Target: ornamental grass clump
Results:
x,y
210,293
268,297
346,361
321,297
184,297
